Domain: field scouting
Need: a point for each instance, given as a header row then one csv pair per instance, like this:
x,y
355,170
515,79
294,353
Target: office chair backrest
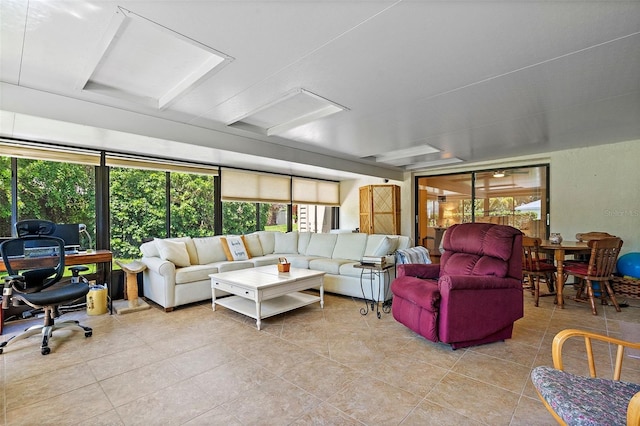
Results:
x,y
34,227
35,255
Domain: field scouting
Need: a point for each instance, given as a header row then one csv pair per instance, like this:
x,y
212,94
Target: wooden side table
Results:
x,y
131,271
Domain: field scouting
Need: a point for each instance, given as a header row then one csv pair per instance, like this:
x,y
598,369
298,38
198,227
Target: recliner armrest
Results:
x,y
476,282
418,270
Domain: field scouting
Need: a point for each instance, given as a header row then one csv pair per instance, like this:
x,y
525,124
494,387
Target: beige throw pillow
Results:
x,y
173,251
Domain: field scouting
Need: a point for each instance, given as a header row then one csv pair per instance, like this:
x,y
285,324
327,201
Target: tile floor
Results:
x,y
311,366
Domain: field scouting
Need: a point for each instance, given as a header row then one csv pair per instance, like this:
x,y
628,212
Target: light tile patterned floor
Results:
x,y
311,366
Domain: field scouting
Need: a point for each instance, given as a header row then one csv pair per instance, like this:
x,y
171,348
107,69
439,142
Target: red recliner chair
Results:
x,y
473,296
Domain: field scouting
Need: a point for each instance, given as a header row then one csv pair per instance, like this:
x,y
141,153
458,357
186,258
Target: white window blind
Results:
x,y
48,153
255,187
309,191
159,165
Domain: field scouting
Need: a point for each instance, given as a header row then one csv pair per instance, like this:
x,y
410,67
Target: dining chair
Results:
x,y
575,399
602,261
535,268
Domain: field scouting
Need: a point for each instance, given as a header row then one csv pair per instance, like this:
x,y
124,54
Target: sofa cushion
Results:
x,y
234,248
234,265
252,243
209,249
350,246
173,251
264,260
303,241
349,270
330,266
300,261
322,245
267,241
194,273
286,242
380,245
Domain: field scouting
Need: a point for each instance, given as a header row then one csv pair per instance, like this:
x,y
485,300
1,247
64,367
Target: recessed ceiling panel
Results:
x,y
294,109
144,61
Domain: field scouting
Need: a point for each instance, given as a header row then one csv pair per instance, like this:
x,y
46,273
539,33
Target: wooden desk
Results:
x,y
102,258
559,252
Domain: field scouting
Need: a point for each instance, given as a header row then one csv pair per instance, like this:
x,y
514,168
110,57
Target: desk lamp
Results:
x,y
83,229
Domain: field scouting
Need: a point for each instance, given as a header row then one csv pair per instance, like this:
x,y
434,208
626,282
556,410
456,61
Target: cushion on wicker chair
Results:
x,y
582,400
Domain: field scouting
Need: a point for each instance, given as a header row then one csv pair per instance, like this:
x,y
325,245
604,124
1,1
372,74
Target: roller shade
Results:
x,y
48,153
255,187
159,165
309,191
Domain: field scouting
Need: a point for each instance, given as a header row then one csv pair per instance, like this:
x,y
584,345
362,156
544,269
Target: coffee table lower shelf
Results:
x,y
269,307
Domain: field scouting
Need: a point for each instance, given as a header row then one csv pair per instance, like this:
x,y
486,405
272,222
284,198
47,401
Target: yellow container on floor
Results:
x,y
97,300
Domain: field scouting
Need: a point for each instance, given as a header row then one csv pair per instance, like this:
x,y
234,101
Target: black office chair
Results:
x,y
35,262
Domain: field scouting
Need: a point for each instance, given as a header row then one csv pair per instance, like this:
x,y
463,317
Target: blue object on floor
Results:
x,y
629,265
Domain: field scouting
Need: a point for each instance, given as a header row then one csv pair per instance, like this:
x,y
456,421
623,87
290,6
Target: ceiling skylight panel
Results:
x,y
294,109
141,60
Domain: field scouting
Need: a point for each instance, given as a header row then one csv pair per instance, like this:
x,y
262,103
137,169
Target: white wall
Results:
x,y
592,189
597,189
350,202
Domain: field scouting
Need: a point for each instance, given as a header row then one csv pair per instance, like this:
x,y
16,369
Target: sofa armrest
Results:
x,y
159,266
418,270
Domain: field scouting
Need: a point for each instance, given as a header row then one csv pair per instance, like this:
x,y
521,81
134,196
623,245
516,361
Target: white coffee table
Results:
x,y
263,292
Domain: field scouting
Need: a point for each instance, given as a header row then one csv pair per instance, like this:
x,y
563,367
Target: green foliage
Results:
x,y
59,192
65,193
5,196
137,202
192,201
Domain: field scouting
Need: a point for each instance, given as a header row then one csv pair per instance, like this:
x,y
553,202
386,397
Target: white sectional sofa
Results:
x,y
178,268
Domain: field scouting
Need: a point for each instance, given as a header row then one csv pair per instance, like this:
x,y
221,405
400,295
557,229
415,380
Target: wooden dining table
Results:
x,y
559,252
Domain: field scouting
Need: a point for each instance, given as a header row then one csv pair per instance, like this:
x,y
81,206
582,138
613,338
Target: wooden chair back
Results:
x,y
604,255
633,407
594,235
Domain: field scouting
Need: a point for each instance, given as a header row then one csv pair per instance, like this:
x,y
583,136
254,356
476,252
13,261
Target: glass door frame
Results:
x,y
421,211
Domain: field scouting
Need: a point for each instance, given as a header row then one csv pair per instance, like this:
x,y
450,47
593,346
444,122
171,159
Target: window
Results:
x,y
137,201
5,196
192,204
155,198
515,197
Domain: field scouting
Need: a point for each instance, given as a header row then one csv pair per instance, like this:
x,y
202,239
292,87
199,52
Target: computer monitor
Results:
x,y
69,232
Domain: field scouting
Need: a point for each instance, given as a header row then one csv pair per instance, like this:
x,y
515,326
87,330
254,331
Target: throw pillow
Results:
x,y
209,250
252,243
149,249
385,246
234,248
173,251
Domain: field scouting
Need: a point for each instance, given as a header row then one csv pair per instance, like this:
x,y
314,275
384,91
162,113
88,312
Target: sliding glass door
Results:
x,y
517,197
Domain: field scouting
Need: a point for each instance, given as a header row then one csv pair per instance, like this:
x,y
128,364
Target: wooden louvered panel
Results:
x,y
380,209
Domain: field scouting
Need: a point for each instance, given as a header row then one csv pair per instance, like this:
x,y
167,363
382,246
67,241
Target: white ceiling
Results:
x,y
477,80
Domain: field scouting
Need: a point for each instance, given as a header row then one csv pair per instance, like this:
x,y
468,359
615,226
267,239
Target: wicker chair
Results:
x,y
579,400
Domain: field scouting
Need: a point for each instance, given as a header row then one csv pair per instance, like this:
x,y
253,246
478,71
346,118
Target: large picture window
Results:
x,y
5,196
